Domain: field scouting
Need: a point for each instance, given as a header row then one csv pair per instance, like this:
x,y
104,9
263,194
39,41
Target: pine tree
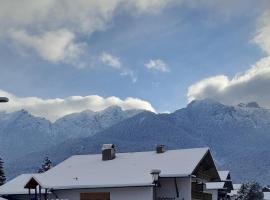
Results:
x,y
2,173
46,165
250,191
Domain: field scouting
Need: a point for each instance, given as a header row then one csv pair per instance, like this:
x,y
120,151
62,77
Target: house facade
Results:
x,y
220,190
14,189
159,175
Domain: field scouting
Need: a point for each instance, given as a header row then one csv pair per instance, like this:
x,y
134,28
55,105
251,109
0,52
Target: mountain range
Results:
x,y
238,136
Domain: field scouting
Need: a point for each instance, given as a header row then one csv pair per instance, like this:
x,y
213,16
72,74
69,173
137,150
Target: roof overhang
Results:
x,y
34,182
98,186
215,186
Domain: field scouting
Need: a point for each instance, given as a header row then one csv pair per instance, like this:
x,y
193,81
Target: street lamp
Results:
x,y
4,99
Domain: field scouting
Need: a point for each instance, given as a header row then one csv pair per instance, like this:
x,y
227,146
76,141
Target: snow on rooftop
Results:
x,y
127,169
2,198
266,195
237,186
215,185
16,185
223,175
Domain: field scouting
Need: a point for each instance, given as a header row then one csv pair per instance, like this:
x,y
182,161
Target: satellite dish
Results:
x,y
3,99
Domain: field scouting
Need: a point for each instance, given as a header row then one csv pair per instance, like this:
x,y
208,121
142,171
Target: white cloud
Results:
x,y
130,73
114,62
57,46
52,109
252,85
51,28
263,31
152,6
40,24
110,60
157,65
35,21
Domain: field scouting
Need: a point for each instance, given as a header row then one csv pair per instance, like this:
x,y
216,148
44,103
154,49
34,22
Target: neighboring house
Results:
x,y
234,192
161,175
14,189
266,195
266,189
220,190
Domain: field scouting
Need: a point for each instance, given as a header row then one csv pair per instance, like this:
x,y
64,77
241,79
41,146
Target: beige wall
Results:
x,y
128,193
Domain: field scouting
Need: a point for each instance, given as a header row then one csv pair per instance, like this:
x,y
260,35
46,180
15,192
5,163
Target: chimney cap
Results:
x,y
155,171
108,152
108,146
160,148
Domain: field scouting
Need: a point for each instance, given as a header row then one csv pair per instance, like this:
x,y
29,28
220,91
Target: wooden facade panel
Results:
x,y
201,196
95,196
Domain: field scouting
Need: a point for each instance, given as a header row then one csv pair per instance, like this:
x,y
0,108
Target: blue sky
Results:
x,y
181,44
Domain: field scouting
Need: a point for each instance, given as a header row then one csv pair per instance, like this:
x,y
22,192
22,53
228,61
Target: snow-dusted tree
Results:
x,y
46,165
250,191
2,173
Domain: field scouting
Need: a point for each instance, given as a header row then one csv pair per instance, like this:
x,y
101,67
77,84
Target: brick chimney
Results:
x,y
160,148
108,152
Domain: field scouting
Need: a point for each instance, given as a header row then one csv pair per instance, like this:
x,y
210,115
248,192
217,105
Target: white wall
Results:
x,y
128,193
168,190
24,196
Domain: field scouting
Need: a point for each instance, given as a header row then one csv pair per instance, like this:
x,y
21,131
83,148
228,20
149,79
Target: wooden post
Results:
x,y
29,193
36,193
39,192
46,198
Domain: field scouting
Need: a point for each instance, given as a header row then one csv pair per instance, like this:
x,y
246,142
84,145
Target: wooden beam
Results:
x,y
176,188
39,187
35,193
46,194
29,193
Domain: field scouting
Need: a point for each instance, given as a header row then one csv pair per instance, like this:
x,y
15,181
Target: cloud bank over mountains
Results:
x,y
53,109
57,32
252,85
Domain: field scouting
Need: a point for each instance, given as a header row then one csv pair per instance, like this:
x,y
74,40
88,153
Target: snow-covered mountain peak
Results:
x,y
88,122
204,103
112,109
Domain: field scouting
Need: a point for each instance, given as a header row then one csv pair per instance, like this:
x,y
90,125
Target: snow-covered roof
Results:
x,y
127,169
237,186
215,185
266,195
16,185
2,198
223,175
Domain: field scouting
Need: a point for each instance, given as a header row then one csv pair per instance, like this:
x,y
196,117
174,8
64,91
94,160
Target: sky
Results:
x,y
63,56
